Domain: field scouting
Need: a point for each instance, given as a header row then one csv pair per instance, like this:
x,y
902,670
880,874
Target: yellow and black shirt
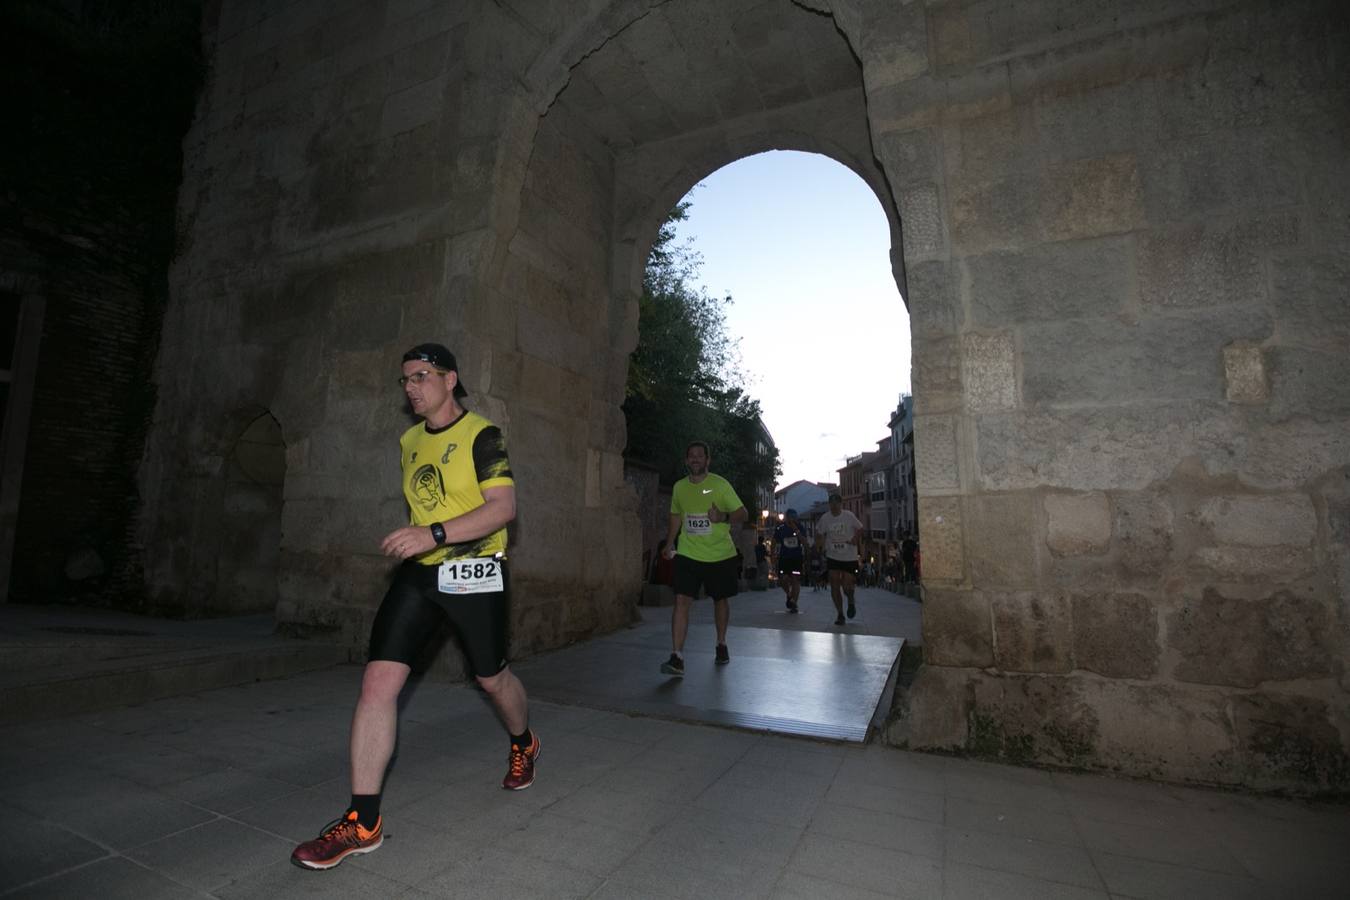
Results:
x,y
444,473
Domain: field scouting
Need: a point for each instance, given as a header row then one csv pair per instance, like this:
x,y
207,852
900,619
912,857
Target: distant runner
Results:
x,y
817,569
839,534
789,544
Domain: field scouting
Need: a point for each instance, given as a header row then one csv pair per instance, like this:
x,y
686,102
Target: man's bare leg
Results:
x,y
836,593
679,622
508,695
722,618
375,723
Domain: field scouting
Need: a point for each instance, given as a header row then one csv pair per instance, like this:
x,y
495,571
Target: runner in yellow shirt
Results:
x,y
461,495
703,509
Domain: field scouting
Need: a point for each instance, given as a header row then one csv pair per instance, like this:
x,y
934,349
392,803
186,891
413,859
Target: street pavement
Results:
x,y
205,794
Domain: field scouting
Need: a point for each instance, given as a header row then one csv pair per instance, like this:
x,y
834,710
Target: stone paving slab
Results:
x,y
624,806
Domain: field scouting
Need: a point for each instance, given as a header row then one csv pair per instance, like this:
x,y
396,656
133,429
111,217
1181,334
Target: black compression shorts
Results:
x,y
840,565
414,609
718,578
790,566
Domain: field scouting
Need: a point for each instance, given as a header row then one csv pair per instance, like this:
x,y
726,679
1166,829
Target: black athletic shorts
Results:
x,y
789,566
414,609
719,578
842,565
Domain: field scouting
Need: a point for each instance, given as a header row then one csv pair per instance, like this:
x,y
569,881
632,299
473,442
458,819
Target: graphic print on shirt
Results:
x,y
428,487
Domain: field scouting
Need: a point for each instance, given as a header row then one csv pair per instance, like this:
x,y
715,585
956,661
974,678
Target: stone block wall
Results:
x,y
358,181
557,359
1129,374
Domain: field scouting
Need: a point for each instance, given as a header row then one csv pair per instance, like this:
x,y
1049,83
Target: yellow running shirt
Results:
x,y
444,474
701,539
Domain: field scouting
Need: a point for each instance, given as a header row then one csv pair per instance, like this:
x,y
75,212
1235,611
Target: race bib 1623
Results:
x,y
695,524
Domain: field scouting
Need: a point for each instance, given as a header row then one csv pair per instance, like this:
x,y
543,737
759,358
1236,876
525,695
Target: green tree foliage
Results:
x,y
684,378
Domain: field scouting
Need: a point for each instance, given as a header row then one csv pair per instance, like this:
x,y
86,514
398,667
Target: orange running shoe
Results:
x,y
520,775
339,840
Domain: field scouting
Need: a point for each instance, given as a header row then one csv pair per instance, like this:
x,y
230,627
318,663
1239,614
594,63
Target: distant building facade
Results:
x,y
902,501
878,486
765,449
801,495
877,514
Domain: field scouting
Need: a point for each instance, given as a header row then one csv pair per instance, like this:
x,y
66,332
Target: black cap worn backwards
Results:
x,y
440,357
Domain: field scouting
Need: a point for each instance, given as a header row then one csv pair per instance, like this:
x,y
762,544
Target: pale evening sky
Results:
x,y
801,244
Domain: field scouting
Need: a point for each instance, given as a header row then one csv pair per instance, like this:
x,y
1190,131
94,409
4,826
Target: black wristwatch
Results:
x,y
438,532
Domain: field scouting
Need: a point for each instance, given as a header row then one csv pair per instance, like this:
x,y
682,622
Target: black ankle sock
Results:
x,y
367,808
521,740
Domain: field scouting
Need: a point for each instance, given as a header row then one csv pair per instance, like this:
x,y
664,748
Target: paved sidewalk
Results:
x,y
205,795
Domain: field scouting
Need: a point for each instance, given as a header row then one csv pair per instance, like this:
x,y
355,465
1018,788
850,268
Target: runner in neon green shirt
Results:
x,y
703,510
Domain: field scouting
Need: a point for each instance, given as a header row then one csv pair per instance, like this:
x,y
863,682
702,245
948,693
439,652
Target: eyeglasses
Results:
x,y
418,377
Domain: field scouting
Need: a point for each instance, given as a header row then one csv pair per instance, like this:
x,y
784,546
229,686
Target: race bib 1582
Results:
x,y
471,576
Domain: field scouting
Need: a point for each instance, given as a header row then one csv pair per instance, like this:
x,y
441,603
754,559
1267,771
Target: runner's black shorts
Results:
x,y
842,565
719,578
789,566
414,609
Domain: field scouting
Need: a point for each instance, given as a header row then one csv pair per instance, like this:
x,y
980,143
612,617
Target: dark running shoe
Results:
x,y
340,839
839,621
792,608
673,666
520,773
723,657
852,610
789,605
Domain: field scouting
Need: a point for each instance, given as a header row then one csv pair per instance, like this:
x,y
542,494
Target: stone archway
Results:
x,y
610,154
1123,249
1003,154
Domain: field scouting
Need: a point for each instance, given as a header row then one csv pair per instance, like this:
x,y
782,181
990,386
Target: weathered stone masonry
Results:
x,y
1131,438
1120,230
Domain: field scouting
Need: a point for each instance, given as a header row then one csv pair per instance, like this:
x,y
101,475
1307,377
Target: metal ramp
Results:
x,y
828,685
